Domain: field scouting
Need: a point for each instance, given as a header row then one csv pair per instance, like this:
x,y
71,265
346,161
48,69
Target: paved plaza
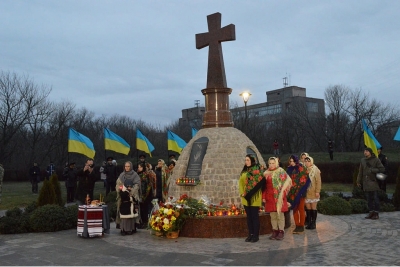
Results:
x,y
338,240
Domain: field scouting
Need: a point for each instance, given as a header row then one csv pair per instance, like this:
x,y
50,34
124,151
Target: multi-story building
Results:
x,y
279,103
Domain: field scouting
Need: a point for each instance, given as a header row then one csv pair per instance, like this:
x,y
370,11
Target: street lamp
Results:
x,y
245,95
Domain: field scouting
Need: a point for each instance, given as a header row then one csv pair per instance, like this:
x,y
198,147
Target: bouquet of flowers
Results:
x,y
167,218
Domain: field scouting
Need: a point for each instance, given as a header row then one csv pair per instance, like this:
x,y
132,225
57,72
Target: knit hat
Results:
x,y
369,149
128,183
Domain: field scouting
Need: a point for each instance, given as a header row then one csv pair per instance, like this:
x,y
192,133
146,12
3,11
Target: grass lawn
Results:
x,y
19,194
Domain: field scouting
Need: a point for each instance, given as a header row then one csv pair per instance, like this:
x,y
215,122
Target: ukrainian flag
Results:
x,y
397,136
115,143
194,132
142,143
79,143
175,143
369,139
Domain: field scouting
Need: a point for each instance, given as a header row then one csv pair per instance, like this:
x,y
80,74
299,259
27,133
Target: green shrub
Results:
x,y
9,225
358,205
358,193
15,212
387,207
48,218
111,197
112,210
30,208
71,214
334,205
57,190
47,196
323,195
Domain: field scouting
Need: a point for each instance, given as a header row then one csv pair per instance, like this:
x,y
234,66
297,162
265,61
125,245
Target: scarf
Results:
x,y
254,182
281,183
300,183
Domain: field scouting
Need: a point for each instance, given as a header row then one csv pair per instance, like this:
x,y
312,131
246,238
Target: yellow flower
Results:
x,y
166,211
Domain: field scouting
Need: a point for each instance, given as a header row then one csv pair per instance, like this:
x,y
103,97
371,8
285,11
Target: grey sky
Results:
x,y
138,58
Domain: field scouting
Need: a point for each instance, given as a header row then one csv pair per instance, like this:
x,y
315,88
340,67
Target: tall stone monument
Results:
x,y
215,155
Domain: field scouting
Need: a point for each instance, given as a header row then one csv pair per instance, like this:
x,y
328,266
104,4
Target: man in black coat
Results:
x,y
86,181
71,178
34,177
110,170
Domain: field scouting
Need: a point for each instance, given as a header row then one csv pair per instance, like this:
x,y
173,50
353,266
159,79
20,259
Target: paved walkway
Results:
x,y
338,240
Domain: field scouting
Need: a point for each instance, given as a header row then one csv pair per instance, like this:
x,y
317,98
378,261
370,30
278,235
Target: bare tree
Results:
x,y
19,97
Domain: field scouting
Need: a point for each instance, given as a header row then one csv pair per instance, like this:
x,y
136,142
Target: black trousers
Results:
x,y
34,186
71,193
253,220
110,187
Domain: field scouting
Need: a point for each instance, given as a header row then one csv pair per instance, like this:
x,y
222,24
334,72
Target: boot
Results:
x,y
301,230
309,220
254,239
117,226
280,235
274,234
375,216
314,214
248,239
371,213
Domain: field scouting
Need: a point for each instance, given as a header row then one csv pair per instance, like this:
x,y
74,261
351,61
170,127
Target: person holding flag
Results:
x,y
369,167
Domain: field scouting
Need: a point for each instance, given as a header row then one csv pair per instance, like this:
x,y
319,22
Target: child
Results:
x,y
128,210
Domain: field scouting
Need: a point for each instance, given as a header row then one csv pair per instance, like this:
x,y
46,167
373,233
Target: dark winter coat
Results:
x,y
110,170
34,174
70,177
368,169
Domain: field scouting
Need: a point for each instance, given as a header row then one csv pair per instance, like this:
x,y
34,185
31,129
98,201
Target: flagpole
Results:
x,y
167,149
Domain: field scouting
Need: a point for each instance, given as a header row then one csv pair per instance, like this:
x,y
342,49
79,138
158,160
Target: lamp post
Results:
x,y
245,95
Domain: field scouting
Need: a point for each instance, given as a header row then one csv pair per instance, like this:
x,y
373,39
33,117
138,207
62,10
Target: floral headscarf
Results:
x,y
300,183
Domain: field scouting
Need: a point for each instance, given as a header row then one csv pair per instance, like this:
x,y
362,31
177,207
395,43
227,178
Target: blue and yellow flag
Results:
x,y
397,135
115,143
175,143
194,132
79,143
142,143
369,139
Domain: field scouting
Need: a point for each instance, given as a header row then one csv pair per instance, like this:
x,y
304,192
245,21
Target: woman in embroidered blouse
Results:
x,y
251,183
297,193
277,186
313,191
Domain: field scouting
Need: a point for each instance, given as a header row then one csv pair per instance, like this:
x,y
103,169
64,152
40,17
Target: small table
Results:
x,y
93,221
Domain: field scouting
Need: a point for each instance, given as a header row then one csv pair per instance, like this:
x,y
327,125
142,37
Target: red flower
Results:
x,y
256,171
254,183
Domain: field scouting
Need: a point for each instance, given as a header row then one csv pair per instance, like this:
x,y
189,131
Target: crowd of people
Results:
x,y
274,188
277,190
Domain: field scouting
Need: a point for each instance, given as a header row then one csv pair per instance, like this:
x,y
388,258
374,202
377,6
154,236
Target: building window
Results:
x,y
312,107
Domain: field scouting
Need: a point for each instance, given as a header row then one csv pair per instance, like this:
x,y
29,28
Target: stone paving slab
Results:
x,y
338,240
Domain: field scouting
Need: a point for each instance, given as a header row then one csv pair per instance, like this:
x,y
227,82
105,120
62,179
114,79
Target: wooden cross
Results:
x,y
213,38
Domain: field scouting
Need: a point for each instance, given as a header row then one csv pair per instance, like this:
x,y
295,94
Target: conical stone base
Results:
x,y
221,166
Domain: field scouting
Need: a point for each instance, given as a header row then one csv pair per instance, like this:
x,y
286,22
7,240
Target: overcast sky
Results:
x,y
139,58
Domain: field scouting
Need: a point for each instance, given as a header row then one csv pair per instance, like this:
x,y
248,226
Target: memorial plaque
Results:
x,y
199,149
